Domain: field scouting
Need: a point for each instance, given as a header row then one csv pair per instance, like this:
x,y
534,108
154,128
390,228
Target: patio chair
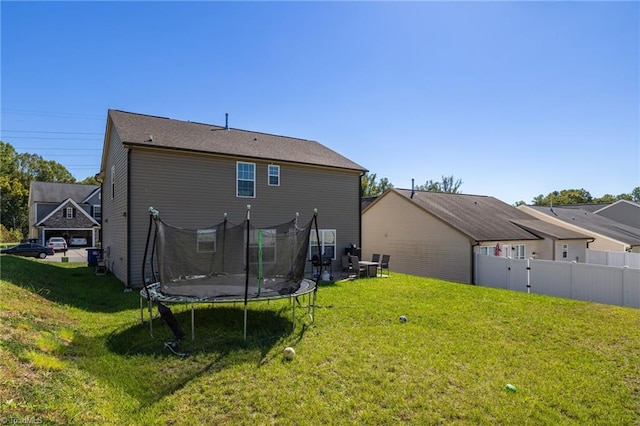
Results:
x,y
375,257
346,265
384,263
355,264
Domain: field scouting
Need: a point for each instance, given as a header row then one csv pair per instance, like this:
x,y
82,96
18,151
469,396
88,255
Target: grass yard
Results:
x,y
73,351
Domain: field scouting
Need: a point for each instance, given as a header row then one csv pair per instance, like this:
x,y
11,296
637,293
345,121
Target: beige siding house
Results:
x,y
194,173
607,234
435,234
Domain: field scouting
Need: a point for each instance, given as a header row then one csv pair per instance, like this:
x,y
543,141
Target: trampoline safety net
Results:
x,y
231,261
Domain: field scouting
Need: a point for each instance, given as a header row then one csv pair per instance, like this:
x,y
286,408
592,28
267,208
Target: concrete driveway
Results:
x,y
76,254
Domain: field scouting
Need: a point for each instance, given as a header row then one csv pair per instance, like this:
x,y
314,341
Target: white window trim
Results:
x,y
68,213
269,241
93,211
206,236
277,175
516,251
323,244
253,180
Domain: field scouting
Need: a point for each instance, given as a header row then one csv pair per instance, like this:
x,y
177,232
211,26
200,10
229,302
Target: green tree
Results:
x,y
91,180
566,196
18,170
582,196
372,188
447,184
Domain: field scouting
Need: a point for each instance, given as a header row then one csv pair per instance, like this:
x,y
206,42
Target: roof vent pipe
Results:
x,y
226,120
413,191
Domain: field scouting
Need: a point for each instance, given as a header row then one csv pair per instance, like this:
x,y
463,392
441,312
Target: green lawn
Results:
x,y
73,351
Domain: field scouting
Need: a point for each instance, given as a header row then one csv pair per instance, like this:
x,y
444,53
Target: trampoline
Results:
x,y
225,263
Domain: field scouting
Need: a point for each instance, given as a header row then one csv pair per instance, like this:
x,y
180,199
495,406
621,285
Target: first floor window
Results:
x,y
565,251
486,250
262,246
245,179
206,240
518,251
327,243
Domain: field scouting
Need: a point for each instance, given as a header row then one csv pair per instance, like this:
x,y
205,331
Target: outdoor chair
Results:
x,y
346,265
355,264
375,257
384,263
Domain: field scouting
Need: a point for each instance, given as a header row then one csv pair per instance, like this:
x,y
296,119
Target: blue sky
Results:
x,y
516,99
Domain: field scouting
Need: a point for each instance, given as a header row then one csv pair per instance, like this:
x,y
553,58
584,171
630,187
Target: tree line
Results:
x,y
18,170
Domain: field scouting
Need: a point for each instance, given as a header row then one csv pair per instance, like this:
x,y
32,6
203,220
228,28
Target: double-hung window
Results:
x,y
327,243
206,240
274,175
245,179
69,212
518,251
262,246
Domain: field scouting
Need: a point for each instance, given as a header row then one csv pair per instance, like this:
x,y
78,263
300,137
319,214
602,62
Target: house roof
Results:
x,y
159,132
53,192
484,218
64,204
594,223
623,211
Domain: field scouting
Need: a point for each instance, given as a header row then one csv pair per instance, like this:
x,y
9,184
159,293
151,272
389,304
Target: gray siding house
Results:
x,y
436,234
194,173
64,210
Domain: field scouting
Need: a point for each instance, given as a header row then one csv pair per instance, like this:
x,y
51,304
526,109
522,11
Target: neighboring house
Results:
x,y
435,234
608,234
194,173
64,210
623,211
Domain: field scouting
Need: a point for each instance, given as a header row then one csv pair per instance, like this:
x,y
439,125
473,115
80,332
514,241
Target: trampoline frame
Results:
x,y
151,293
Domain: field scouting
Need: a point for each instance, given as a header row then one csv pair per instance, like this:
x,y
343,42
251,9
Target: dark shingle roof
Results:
x,y
485,218
53,192
594,223
149,131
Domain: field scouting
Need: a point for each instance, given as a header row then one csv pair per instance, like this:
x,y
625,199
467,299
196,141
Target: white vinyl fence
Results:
x,y
613,258
612,285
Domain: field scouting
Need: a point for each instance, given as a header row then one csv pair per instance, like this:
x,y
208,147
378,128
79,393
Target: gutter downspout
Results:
x,y
473,263
128,226
360,211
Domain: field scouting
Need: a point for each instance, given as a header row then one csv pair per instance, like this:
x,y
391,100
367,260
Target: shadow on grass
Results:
x,y
148,372
69,284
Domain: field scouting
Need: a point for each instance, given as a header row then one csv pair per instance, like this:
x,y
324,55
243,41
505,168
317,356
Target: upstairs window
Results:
x,y
70,213
97,213
274,175
245,179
